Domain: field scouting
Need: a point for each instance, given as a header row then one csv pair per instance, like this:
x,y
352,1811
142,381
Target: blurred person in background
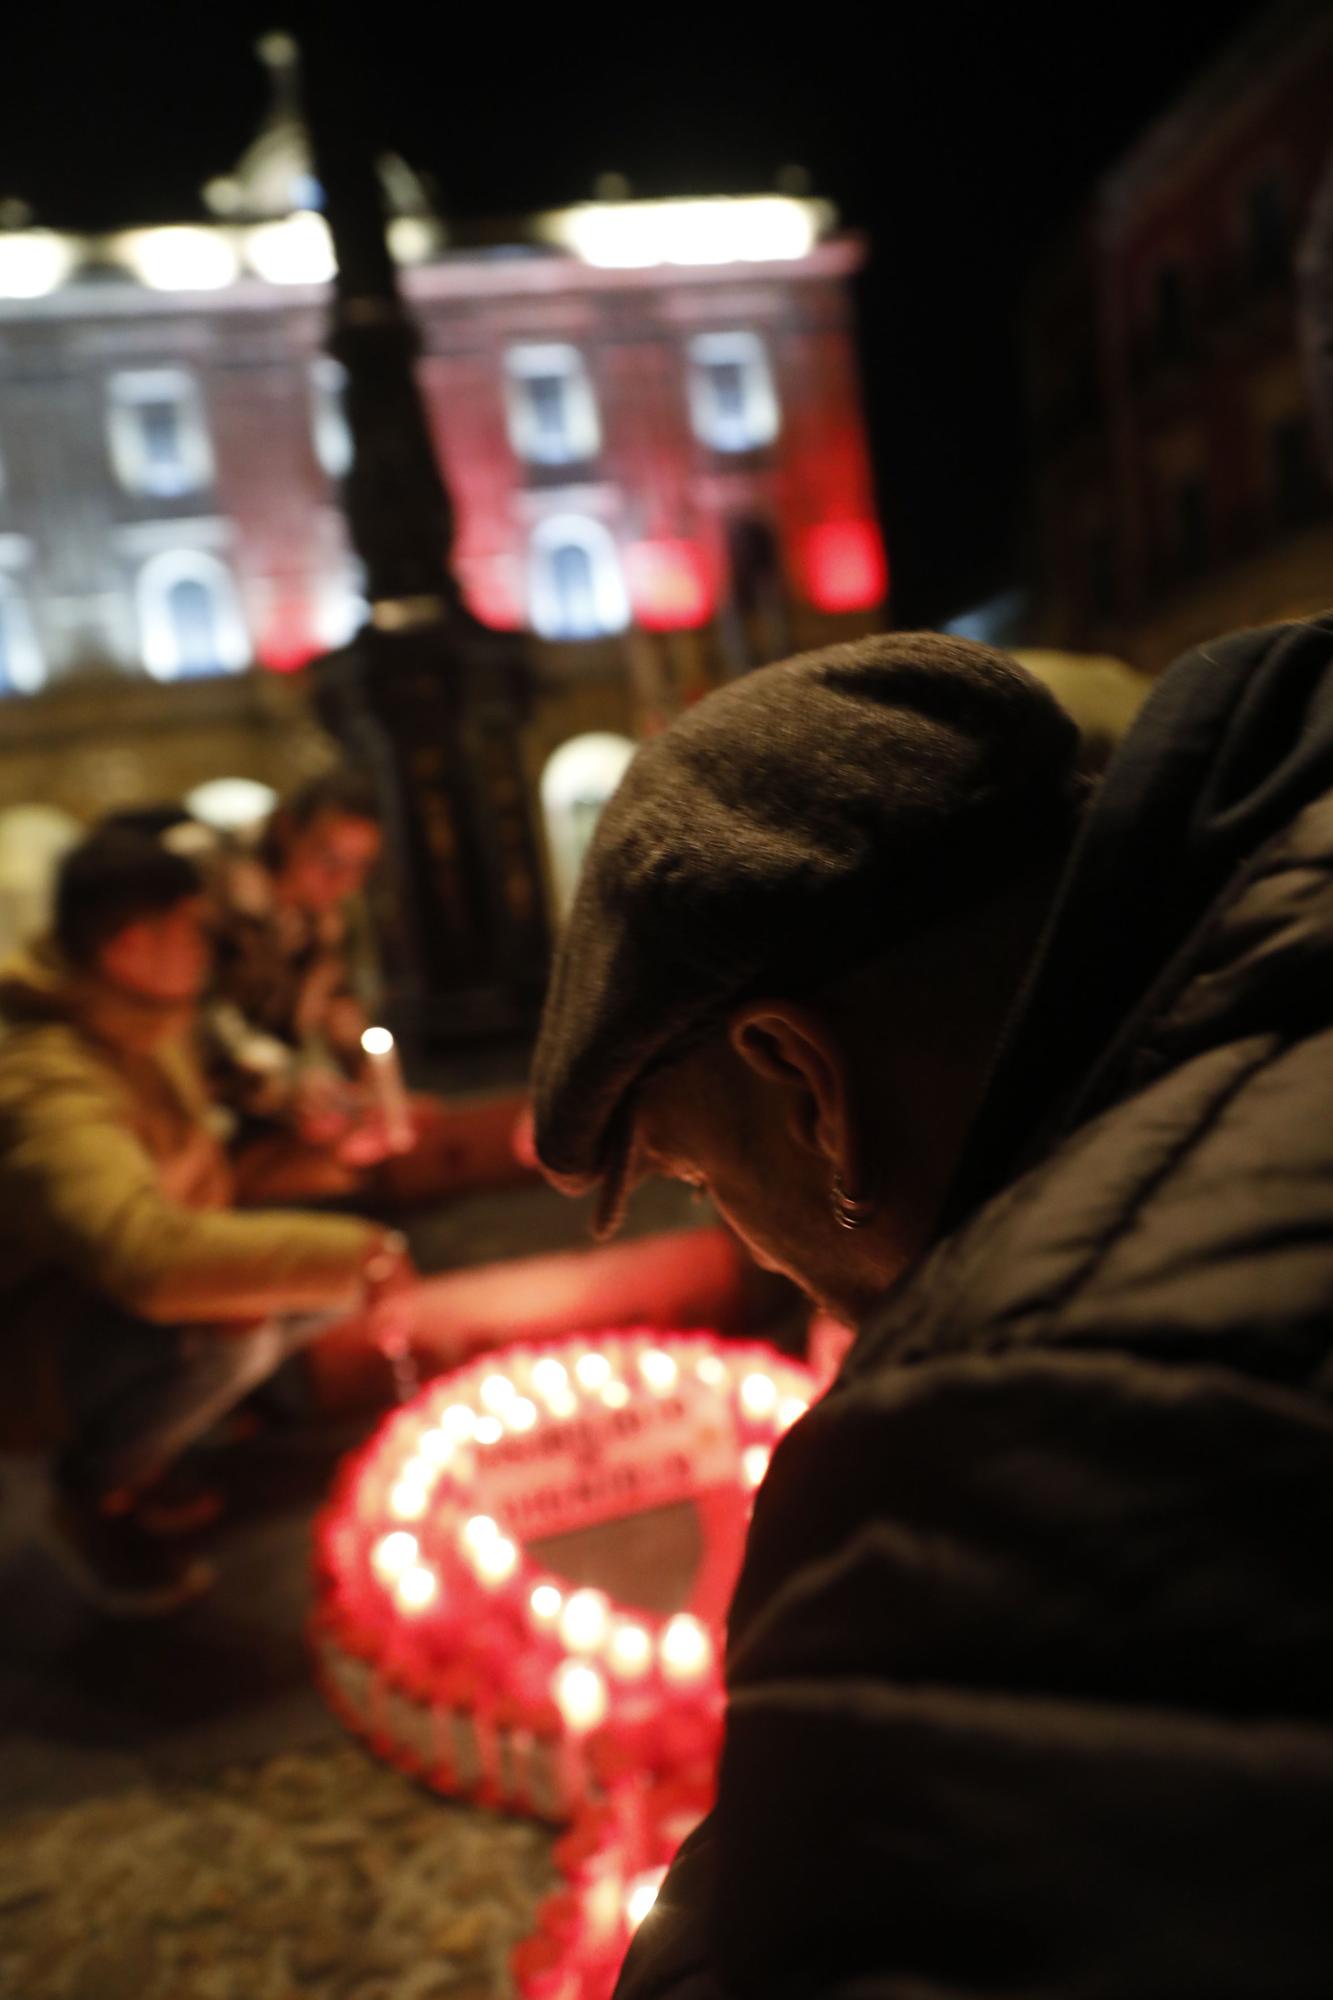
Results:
x,y
287,1009
1030,1663
136,1307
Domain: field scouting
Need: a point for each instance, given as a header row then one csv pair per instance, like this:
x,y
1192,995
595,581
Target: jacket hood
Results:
x,y
1235,740
38,986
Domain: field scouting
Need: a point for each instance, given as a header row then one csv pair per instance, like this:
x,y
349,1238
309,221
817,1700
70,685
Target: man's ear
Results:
x,y
792,1046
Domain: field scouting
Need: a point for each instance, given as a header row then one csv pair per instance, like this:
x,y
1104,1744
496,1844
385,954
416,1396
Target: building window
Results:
x,y
1171,336
157,433
1292,470
733,404
22,669
578,780
1267,247
1191,525
329,428
576,587
190,618
550,405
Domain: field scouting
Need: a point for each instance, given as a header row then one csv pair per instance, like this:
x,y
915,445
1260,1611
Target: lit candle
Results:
x,y
385,1075
579,1692
684,1649
641,1895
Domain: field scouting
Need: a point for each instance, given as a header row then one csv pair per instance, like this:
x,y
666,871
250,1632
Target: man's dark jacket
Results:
x,y
1031,1662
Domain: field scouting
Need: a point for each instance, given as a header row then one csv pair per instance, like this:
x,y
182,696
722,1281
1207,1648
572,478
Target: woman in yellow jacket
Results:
x,y
128,1285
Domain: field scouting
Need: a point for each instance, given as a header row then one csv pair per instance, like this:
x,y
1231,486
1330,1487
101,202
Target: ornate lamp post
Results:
x,y
427,697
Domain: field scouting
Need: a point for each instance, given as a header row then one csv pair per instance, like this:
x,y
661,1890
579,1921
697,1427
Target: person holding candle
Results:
x,y
136,1305
313,1084
1030,1664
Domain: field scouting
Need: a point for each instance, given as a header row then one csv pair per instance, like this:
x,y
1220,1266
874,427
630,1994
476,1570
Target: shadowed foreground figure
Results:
x,y
1030,1664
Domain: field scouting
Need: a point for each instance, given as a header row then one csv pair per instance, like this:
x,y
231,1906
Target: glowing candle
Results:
x,y
497,1392
658,1370
580,1695
550,1377
495,1560
545,1603
759,1394
629,1650
593,1370
488,1430
641,1894
393,1554
521,1414
790,1409
385,1075
409,1498
417,1587
684,1649
584,1621
476,1532
435,1448
754,1464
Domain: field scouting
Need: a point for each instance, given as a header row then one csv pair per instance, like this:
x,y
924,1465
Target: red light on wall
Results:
x,y
286,647
670,585
492,586
845,567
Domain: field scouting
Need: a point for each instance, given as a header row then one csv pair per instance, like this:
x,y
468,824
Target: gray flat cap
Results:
x,y
787,829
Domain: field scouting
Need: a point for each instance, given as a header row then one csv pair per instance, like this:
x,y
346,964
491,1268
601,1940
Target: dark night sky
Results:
x,y
959,137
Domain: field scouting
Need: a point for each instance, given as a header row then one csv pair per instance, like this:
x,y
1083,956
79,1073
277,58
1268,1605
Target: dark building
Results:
x,y
1174,371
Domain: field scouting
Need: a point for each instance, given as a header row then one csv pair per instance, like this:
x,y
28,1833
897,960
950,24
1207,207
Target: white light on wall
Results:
x,y
296,251
746,229
412,239
33,262
226,803
179,259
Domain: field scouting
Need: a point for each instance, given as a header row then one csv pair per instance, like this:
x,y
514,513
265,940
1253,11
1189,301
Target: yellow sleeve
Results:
x,y
79,1185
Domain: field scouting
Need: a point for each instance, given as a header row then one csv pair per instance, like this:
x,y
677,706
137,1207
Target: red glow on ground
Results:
x,y
845,567
670,585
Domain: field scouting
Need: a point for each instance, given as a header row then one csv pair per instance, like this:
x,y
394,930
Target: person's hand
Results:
x,y
323,1106
389,1280
367,1143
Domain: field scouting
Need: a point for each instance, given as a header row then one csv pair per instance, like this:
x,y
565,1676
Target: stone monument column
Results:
x,y
430,700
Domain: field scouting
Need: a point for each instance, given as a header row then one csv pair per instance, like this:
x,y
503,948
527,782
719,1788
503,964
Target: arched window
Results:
x,y
22,669
578,780
576,587
733,403
189,617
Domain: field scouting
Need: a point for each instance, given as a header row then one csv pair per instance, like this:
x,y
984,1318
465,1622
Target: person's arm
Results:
x,y
87,1190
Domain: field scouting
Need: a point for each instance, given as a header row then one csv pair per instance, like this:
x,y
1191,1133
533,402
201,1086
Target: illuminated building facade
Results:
x,y
647,413
1177,370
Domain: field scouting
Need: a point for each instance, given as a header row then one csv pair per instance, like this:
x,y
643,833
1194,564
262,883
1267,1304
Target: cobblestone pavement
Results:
x,y
181,1818
313,1872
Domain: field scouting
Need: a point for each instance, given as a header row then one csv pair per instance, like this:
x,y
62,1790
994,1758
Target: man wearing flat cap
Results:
x,y
1030,1665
